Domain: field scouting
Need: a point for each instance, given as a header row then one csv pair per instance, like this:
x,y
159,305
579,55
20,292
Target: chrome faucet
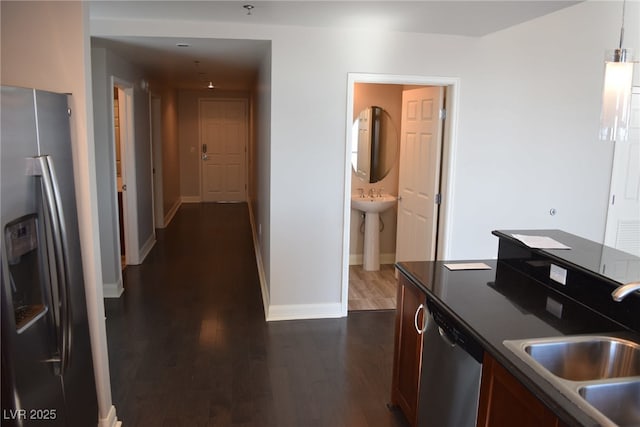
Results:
x,y
361,191
621,292
372,192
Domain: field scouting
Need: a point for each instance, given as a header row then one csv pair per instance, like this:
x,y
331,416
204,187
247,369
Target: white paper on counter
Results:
x,y
540,242
468,266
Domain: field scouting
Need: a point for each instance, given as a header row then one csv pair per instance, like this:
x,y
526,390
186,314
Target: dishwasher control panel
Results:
x,y
455,332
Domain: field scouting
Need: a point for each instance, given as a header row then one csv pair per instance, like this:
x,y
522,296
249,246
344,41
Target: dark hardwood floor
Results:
x,y
189,346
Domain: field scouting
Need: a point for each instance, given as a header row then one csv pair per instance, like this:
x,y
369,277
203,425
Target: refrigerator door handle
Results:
x,y
51,190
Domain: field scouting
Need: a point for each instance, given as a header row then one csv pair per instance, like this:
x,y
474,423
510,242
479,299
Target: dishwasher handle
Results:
x,y
425,320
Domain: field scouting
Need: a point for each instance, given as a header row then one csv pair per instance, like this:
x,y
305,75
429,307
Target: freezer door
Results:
x,y
28,343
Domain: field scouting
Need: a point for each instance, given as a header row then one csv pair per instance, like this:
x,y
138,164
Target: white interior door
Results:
x,y
623,217
127,183
223,142
419,175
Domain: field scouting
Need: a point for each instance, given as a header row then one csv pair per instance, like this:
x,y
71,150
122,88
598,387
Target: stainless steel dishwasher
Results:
x,y
451,371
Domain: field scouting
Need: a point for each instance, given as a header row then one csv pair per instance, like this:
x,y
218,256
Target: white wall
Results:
x,y
528,128
261,201
170,149
46,45
526,136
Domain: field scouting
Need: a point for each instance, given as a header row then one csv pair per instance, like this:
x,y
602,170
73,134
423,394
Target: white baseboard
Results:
x,y
304,311
261,273
111,420
358,259
113,290
146,248
172,212
191,199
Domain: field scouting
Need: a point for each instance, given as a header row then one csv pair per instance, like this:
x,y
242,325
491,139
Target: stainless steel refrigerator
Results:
x,y
47,367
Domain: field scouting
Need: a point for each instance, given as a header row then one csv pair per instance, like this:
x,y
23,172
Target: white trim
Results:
x,y
261,273
111,420
447,182
172,212
112,290
146,248
304,311
191,199
445,231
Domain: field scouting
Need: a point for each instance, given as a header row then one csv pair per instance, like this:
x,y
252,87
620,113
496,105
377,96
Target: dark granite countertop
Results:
x,y
504,304
590,257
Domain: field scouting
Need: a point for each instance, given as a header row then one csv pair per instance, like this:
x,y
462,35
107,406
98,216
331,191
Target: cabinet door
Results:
x,y
504,401
408,349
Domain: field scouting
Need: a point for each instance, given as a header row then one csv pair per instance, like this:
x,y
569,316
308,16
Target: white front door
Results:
x,y
419,175
623,217
223,142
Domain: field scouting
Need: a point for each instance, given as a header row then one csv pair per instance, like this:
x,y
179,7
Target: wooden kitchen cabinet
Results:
x,y
407,349
504,401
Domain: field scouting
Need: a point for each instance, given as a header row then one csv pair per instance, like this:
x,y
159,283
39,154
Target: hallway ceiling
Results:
x,y
232,64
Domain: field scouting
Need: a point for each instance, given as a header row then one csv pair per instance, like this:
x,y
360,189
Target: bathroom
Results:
x,y
376,289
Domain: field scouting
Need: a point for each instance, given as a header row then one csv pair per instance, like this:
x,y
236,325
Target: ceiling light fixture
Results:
x,y
249,7
616,93
211,86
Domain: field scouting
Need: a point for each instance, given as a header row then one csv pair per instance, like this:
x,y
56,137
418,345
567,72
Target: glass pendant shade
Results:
x,y
616,96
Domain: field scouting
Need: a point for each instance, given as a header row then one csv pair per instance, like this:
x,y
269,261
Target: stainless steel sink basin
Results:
x,y
620,401
590,358
600,374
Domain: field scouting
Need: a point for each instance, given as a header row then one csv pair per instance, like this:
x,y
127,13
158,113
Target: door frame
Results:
x,y
447,172
246,142
128,168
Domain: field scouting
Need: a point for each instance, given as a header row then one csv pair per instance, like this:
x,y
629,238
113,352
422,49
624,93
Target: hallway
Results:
x,y
189,346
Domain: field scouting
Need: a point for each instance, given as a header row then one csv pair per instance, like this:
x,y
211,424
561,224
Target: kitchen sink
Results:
x,y
600,374
619,401
587,358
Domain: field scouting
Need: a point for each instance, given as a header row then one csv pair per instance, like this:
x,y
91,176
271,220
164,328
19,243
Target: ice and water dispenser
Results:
x,y
25,270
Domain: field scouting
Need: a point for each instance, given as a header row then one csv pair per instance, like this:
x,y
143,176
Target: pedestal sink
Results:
x,y
372,206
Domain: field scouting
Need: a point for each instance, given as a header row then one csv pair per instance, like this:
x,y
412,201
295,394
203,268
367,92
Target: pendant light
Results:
x,y
616,94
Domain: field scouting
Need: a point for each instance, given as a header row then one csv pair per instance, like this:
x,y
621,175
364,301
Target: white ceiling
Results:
x,y
228,64
231,64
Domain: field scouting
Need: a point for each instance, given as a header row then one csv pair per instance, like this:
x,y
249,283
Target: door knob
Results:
x,y
124,187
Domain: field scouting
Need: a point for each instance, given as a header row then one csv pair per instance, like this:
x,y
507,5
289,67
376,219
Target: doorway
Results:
x,y
442,171
124,165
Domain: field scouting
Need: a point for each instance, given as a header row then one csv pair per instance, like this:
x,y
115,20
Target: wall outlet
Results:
x,y
558,274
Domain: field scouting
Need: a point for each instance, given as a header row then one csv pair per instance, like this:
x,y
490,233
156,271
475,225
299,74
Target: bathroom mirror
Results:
x,y
374,144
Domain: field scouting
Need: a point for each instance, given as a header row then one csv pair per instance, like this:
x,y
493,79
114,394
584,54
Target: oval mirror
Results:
x,y
374,144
